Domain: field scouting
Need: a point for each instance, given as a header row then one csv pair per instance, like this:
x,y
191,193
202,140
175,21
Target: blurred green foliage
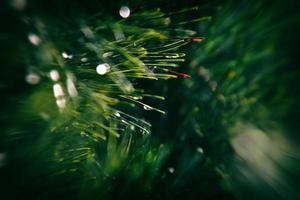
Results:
x,y
230,130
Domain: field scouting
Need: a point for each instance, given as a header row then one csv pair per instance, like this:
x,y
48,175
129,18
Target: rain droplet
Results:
x,y
32,78
175,56
66,56
200,150
147,107
61,103
58,90
107,54
34,39
84,59
171,170
71,88
103,68
124,11
54,75
122,120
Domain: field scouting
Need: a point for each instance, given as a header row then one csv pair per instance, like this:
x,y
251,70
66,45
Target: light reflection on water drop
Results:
x,y
61,103
66,56
175,56
32,78
84,59
34,39
107,54
54,75
171,170
147,107
71,88
58,90
200,150
124,12
136,98
103,68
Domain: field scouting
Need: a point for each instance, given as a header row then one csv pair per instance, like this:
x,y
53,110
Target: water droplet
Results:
x,y
117,114
132,127
84,59
34,39
71,88
200,150
147,107
54,75
103,68
124,11
58,90
66,56
107,54
61,103
171,170
175,56
32,78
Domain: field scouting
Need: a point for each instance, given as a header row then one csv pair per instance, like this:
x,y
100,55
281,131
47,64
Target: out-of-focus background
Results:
x,y
231,130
